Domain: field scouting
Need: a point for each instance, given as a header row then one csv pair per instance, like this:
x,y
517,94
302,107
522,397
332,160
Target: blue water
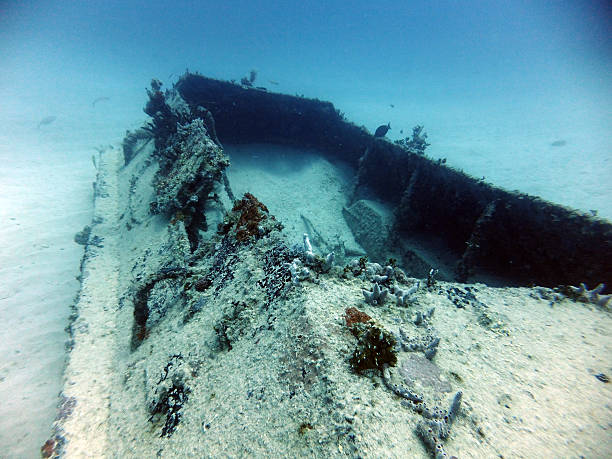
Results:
x,y
519,92
495,83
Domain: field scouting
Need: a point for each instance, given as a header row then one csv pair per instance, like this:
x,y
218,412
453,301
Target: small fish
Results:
x,y
391,105
381,131
99,99
558,143
275,83
46,120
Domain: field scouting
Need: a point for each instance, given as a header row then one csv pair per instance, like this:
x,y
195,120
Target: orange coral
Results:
x,y
354,315
247,217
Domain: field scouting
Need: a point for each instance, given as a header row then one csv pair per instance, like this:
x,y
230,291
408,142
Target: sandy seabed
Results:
x,y
44,201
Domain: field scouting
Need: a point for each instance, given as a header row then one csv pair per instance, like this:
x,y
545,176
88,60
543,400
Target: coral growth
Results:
x,y
168,394
298,271
248,81
376,296
437,422
164,117
316,262
437,428
191,168
375,347
585,295
247,219
170,406
418,143
353,316
404,297
276,273
427,344
308,259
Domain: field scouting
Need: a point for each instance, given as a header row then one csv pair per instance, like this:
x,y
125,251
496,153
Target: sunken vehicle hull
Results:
x,y
518,238
213,337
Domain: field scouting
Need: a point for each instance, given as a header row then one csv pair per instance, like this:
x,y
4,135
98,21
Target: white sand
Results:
x,y
44,201
46,177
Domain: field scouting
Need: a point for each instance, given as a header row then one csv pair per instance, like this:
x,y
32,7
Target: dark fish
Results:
x,y
99,99
381,131
558,143
46,120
